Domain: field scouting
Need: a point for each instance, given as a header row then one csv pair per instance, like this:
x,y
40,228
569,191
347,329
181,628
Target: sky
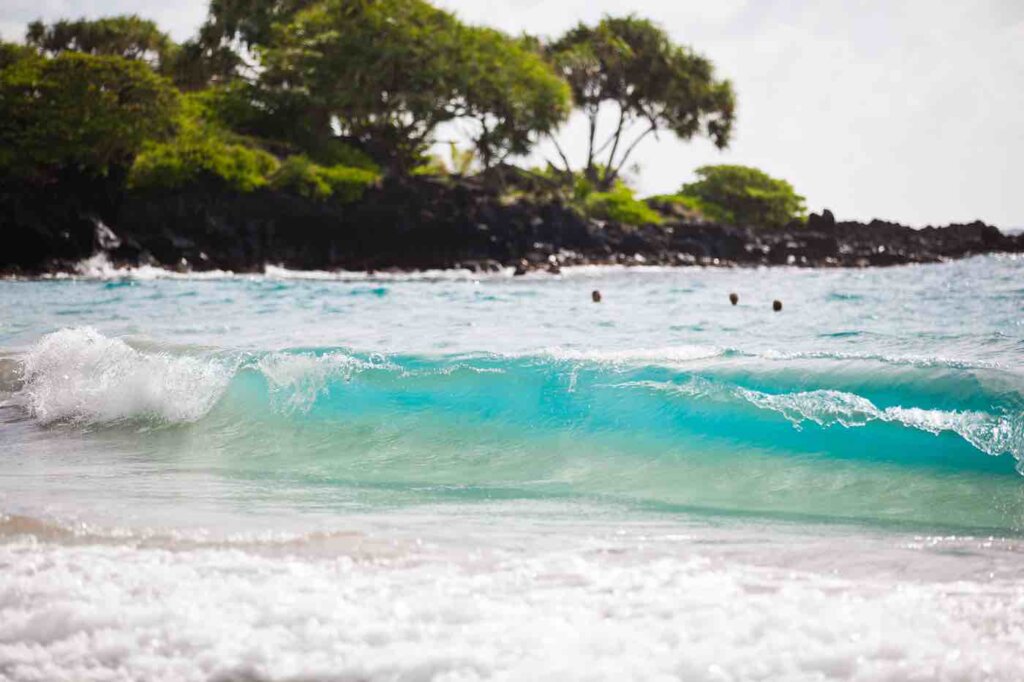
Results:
x,y
907,110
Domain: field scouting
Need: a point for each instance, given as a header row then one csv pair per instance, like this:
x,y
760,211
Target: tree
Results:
x,y
509,93
654,85
201,150
79,114
385,74
248,22
225,46
745,195
12,53
383,70
124,36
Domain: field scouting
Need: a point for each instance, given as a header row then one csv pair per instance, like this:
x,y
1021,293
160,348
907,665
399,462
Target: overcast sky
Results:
x,y
909,110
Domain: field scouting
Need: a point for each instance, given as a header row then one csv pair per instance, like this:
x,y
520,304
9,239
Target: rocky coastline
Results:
x,y
428,223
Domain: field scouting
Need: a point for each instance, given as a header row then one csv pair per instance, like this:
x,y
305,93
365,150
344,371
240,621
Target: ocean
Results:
x,y
452,476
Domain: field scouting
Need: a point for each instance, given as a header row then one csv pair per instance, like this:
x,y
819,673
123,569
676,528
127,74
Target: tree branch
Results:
x,y
605,179
611,138
565,159
592,116
613,171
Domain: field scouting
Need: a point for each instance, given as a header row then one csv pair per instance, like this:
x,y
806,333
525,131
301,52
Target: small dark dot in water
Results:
x,y
734,298
776,305
595,296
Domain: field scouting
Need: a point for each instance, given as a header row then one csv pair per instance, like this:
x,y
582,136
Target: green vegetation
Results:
x,y
388,73
677,205
201,150
511,95
78,114
127,36
323,98
619,205
303,177
631,65
744,195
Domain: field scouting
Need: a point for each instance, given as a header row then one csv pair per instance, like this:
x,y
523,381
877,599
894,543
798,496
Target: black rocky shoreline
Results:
x,y
425,223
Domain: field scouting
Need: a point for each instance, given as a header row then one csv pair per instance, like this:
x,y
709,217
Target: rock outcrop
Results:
x,y
426,223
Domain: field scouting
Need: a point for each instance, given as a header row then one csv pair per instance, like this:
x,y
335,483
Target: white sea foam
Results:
x,y
81,375
888,359
667,355
100,267
450,275
605,611
297,380
822,407
991,434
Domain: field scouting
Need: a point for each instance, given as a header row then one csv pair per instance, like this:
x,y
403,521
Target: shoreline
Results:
x,y
427,225
93,270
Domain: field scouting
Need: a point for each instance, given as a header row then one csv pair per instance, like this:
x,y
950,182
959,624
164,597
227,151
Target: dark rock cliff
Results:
x,y
426,223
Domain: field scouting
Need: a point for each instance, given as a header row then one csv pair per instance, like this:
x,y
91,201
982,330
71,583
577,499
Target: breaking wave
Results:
x,y
673,398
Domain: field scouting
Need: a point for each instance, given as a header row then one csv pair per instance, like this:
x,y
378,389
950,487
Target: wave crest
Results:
x,y
81,375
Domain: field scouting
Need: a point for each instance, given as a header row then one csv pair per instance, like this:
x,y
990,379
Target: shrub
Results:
x,y
201,149
744,195
275,118
187,158
677,206
300,175
690,203
621,206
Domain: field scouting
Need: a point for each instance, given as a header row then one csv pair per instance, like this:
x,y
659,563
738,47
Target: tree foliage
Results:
x,y
620,205
79,113
509,92
227,44
201,150
123,36
204,149
745,195
11,53
387,73
248,22
314,97
383,69
651,83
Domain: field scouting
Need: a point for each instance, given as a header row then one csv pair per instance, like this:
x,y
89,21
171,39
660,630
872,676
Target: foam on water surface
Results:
x,y
560,603
454,476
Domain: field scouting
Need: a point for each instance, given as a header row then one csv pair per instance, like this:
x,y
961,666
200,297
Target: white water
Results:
x,y
446,476
554,601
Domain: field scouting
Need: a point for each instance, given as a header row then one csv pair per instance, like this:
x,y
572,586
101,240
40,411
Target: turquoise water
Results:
x,y
880,397
451,477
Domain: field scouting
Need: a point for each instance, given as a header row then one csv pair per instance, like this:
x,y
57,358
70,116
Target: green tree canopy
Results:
x,y
509,92
79,113
249,22
745,195
653,84
11,53
383,70
124,36
227,43
386,73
